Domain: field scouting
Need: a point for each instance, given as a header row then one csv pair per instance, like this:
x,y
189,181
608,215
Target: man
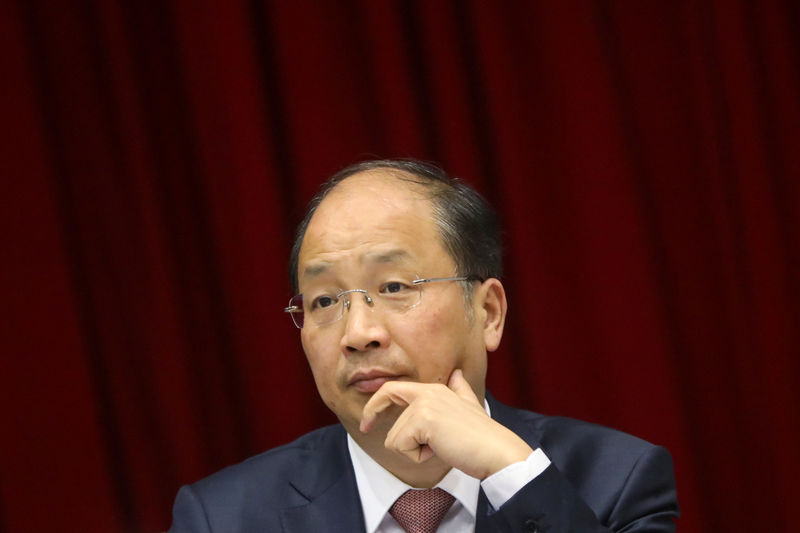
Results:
x,y
396,268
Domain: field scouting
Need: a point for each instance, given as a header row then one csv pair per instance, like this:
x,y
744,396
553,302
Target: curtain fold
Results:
x,y
642,157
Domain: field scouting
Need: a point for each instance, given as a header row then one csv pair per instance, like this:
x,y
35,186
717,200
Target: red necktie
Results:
x,y
421,511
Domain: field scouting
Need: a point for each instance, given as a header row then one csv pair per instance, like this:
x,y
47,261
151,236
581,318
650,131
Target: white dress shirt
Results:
x,y
378,489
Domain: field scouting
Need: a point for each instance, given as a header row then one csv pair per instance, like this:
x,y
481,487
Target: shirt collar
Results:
x,y
378,488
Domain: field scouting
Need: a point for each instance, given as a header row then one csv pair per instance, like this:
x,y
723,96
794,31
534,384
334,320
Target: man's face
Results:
x,y
372,229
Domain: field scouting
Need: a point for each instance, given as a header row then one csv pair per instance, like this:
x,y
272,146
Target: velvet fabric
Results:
x,y
157,156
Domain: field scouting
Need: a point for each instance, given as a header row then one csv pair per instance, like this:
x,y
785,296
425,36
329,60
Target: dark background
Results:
x,y
643,155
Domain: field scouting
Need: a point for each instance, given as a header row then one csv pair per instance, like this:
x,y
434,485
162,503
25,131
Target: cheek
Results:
x,y
321,363
436,344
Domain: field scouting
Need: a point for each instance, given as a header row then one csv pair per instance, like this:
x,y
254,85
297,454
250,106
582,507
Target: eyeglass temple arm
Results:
x,y
434,280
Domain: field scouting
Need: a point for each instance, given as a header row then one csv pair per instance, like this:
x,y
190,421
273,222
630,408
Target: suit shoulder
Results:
x,y
627,482
584,451
561,428
572,443
272,467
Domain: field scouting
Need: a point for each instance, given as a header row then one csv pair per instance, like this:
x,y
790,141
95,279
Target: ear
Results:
x,y
491,306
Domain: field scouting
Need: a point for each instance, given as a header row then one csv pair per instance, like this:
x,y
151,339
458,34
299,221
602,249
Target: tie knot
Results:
x,y
421,511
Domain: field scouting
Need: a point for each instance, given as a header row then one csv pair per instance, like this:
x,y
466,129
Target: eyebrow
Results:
x,y
391,256
316,270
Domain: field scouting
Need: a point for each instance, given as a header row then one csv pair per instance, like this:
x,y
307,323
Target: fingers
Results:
x,y
409,438
400,393
448,422
461,386
403,393
415,432
428,406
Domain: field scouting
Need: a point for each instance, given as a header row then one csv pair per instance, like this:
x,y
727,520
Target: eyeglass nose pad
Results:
x,y
346,298
346,301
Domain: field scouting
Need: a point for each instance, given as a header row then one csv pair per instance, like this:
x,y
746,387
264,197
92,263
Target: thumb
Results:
x,y
461,386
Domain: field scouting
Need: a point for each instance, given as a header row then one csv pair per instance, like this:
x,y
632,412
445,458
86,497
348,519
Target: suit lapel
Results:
x,y
523,423
484,510
328,484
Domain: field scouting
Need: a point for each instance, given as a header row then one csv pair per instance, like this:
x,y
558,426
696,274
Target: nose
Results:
x,y
364,328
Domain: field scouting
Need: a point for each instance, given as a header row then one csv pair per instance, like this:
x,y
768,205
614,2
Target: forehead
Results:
x,y
373,217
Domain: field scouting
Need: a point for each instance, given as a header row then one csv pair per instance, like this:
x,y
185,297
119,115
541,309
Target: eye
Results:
x,y
393,287
323,301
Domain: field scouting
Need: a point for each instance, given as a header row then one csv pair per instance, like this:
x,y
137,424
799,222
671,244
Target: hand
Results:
x,y
448,422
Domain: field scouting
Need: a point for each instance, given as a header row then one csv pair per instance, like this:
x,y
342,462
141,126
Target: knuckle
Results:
x,y
424,413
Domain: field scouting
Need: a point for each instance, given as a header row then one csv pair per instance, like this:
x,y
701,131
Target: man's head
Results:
x,y
468,226
373,232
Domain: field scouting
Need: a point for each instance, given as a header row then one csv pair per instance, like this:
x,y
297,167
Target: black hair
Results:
x,y
468,225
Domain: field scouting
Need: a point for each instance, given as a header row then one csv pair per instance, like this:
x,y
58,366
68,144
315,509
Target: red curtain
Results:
x,y
644,157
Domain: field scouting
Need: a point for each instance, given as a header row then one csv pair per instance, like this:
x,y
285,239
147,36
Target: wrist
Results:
x,y
514,450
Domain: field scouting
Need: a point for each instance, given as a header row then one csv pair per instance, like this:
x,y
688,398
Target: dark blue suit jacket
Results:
x,y
599,480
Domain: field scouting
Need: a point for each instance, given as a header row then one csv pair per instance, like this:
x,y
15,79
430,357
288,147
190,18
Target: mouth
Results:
x,y
370,381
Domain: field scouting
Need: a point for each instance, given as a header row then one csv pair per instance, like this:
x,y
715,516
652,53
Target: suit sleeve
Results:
x,y
188,514
646,502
